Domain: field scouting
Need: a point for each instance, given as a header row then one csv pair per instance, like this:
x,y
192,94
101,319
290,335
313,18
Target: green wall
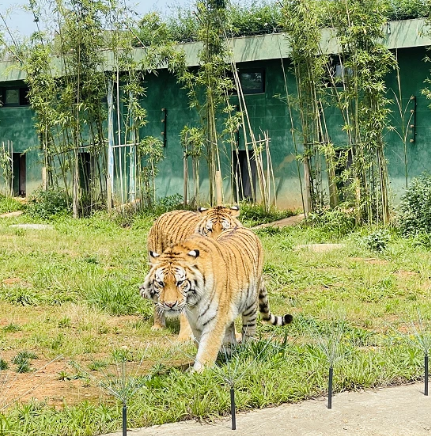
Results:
x,y
413,72
268,113
17,125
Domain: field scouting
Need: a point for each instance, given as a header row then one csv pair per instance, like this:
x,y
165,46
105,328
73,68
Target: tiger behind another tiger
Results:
x,y
212,281
178,225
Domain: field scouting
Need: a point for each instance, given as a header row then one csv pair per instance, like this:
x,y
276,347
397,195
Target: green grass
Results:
x,y
10,204
70,294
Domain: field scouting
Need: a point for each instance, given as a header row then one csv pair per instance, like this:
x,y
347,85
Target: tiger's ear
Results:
x,y
202,209
153,256
235,211
193,253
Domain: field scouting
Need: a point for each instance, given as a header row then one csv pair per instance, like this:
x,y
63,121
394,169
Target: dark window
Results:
x,y
14,96
337,73
252,81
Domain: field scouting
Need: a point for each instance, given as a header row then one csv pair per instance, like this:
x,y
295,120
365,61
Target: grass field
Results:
x,y
76,339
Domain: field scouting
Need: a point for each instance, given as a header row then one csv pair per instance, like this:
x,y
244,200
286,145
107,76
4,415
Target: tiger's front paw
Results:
x,y
185,337
156,327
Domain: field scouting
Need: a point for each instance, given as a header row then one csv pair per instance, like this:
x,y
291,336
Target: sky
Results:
x,y
22,22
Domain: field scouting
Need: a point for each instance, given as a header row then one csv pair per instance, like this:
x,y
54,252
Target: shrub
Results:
x,y
49,203
415,206
335,221
9,204
378,240
254,214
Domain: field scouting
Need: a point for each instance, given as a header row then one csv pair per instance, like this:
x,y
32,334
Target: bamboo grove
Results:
x,y
74,96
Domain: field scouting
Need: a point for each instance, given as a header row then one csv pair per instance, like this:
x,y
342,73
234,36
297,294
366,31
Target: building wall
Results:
x,y
268,113
413,72
17,126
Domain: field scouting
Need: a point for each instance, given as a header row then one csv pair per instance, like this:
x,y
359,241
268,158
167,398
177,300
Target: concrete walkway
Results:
x,y
394,411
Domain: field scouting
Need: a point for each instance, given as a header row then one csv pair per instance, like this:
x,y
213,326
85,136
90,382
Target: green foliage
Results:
x,y
407,9
415,205
22,361
192,140
250,17
346,294
3,365
378,240
336,222
363,103
118,299
168,203
254,214
302,22
150,149
12,328
253,17
10,204
6,166
209,86
47,204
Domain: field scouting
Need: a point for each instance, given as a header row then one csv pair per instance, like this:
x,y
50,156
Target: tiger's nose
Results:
x,y
170,304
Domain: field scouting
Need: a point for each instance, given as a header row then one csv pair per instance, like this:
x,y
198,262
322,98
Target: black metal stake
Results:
x,y
124,419
426,374
331,373
232,408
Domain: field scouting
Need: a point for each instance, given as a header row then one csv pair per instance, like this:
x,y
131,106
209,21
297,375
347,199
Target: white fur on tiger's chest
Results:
x,y
201,315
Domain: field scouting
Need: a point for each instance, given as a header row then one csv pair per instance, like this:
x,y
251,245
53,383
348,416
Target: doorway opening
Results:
x,y
19,174
244,175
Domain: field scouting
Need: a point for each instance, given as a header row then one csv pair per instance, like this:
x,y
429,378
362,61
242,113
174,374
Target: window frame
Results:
x,y
22,91
262,88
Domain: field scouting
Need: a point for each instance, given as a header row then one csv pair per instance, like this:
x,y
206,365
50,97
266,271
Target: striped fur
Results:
x,y
178,225
212,281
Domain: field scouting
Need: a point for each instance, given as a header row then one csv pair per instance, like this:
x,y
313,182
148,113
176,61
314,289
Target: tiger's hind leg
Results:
x,y
229,340
249,317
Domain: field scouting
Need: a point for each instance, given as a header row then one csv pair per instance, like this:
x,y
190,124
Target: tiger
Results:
x,y
212,281
175,226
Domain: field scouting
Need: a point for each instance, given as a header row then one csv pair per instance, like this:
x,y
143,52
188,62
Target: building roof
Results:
x,y
398,35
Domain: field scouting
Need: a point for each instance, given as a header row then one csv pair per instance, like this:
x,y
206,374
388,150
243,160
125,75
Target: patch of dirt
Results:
x,y
320,248
48,381
33,226
370,260
11,281
11,214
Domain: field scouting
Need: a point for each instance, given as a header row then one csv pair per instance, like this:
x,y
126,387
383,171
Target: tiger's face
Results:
x,y
171,284
218,219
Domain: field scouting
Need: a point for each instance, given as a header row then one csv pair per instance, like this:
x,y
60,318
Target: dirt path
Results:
x,y
392,411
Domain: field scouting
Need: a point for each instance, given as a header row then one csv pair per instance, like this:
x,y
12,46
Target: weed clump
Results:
x,y
46,204
415,216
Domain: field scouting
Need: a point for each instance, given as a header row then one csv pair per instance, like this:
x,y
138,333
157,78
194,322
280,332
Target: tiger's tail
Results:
x,y
267,316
